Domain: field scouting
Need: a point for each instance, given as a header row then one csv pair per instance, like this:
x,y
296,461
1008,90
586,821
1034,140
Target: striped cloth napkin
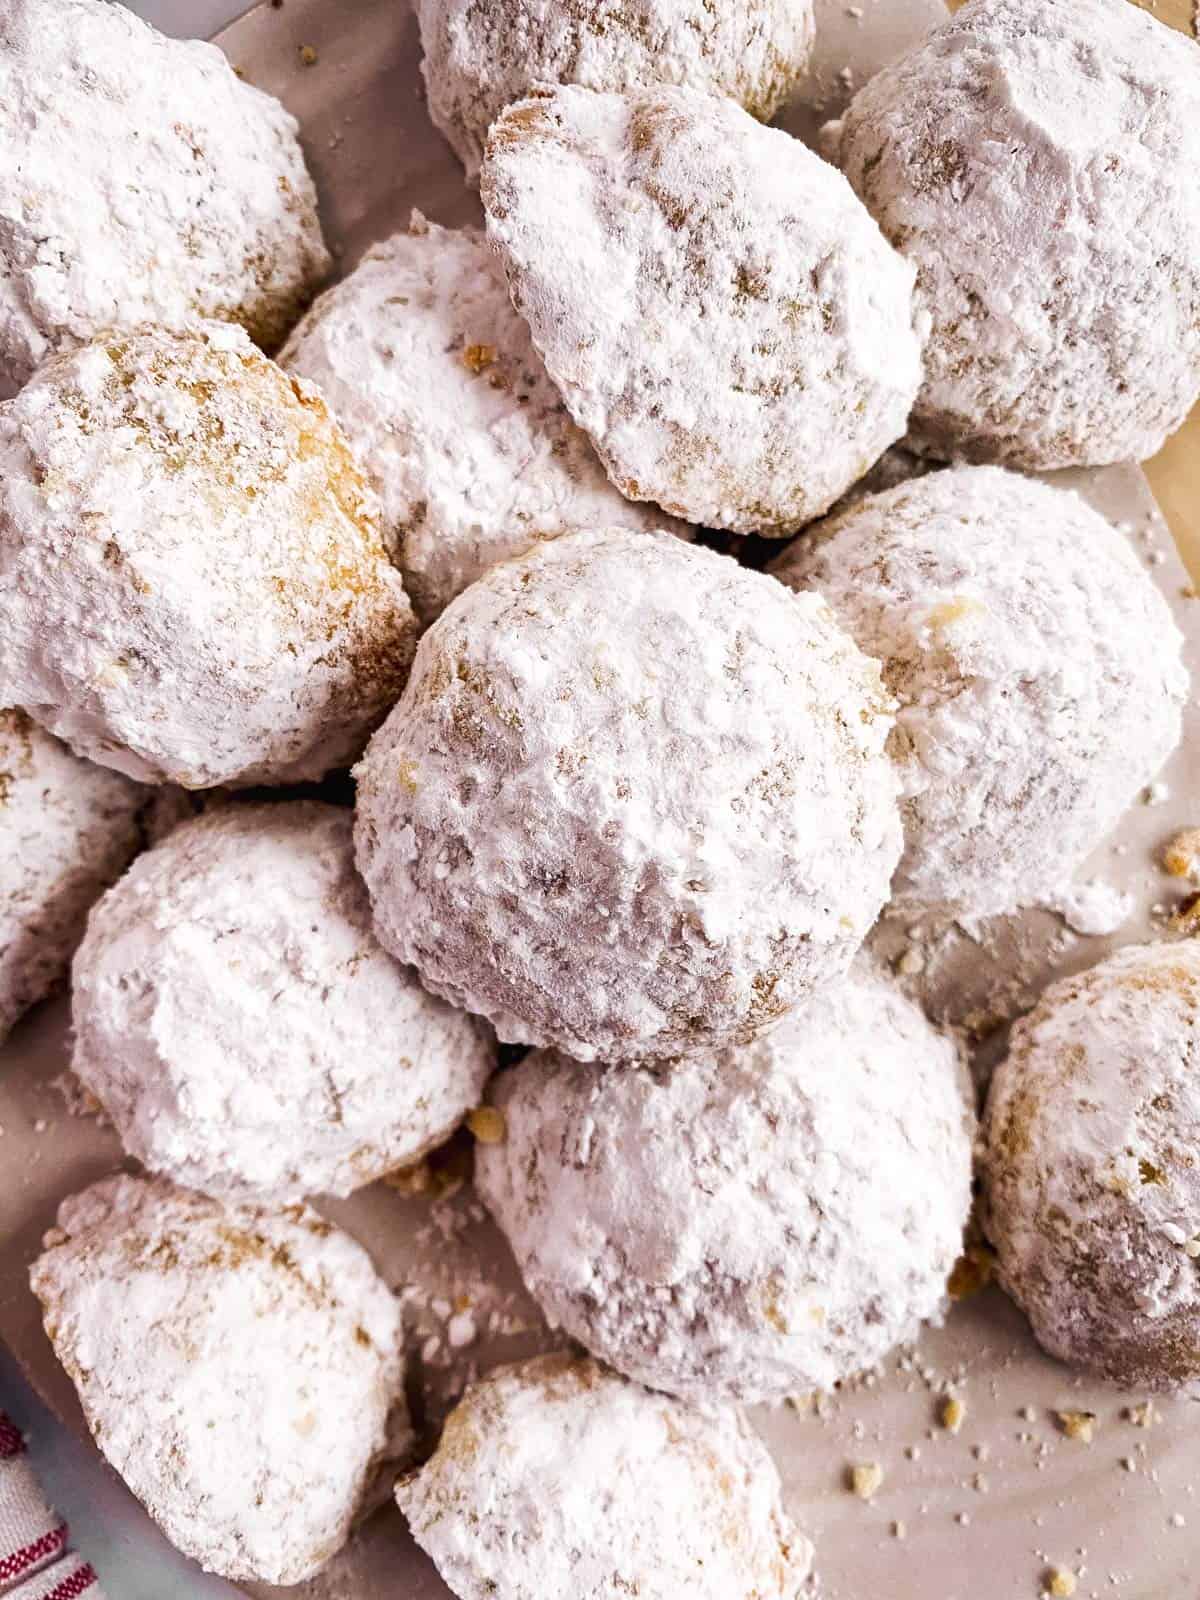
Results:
x,y
35,1563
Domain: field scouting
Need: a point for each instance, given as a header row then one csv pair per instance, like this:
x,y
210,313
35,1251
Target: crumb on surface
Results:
x,y
864,1479
1080,1425
952,1413
308,56
1061,1583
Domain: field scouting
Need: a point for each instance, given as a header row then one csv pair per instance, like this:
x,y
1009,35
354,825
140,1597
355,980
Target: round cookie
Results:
x,y
1036,664
448,407
715,1230
556,1479
141,182
635,800
1091,1186
195,587
1036,161
239,1368
67,830
243,1029
478,59
720,313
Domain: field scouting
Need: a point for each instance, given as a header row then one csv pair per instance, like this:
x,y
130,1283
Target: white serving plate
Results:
x,y
986,1511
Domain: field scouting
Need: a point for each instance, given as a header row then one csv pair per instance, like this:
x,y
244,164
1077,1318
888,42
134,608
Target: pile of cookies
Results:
x,y
618,797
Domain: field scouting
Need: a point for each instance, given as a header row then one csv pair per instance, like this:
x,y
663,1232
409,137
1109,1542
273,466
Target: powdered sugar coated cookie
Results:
x,y
557,1479
195,587
634,801
721,314
141,181
237,1367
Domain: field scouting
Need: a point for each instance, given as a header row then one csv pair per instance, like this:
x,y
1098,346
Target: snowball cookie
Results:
x,y
238,1021
635,800
1036,160
556,1479
720,313
1092,1191
716,1230
237,1367
479,59
141,181
195,587
1036,664
448,406
67,829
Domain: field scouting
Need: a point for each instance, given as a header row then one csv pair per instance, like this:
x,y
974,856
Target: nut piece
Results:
x,y
250,913
491,1511
199,592
480,58
1181,855
239,1368
952,1413
1061,1583
1079,1425
738,367
570,826
487,1124
1017,126
141,184
865,1479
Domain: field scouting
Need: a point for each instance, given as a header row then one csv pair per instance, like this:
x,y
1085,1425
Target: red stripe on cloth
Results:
x,y
30,1555
12,1442
80,1580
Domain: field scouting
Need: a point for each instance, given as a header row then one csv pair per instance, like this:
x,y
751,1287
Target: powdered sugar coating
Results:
x,y
480,58
1037,667
236,1366
1036,160
67,829
1092,1192
753,1224
463,436
141,182
556,1479
634,801
721,315
240,1024
195,588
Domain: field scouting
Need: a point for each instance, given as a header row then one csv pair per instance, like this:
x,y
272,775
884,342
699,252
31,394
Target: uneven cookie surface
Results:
x,y
447,404
1036,664
67,829
1091,1192
716,1229
240,1024
722,316
236,1366
558,1479
634,800
1036,161
141,182
196,591
480,58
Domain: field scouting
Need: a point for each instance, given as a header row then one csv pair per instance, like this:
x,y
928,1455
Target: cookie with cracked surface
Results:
x,y
1036,161
635,800
241,1025
1036,664
556,1479
1091,1188
67,830
468,444
195,587
480,58
745,1226
141,182
239,1368
720,312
